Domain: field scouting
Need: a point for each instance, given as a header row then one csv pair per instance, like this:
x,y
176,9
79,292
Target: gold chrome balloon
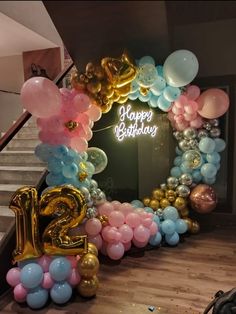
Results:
x,y
88,286
195,227
180,203
146,201
69,204
92,249
154,204
164,203
88,265
184,212
158,194
189,223
170,195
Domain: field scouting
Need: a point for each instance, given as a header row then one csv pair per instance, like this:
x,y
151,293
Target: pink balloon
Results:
x,y
170,116
74,277
94,113
153,228
127,246
105,209
47,282
139,244
196,123
44,261
193,92
93,226
179,118
113,235
126,208
191,107
116,219
147,222
181,101
116,205
105,231
126,233
73,261
79,144
190,117
97,240
141,233
177,110
88,133
115,250
213,103
81,102
20,293
41,97
13,276
133,220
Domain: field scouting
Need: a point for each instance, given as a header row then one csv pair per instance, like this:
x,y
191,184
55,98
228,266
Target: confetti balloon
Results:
x,y
98,158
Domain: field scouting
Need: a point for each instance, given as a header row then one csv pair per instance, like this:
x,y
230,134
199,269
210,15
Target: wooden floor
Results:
x,y
174,280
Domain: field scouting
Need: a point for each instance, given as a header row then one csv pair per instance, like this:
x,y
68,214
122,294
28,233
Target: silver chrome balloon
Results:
x,y
91,212
93,184
163,186
172,182
215,132
178,135
186,179
207,126
202,133
214,122
190,133
183,190
184,145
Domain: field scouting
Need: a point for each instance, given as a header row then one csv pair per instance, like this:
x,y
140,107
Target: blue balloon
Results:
x,y
158,86
60,268
69,171
153,101
171,93
148,210
163,103
146,60
184,167
61,151
196,175
134,96
178,161
178,151
137,204
44,152
207,145
61,292
171,213
213,158
175,172
84,156
55,165
160,70
168,226
53,179
217,166
209,180
219,145
31,275
155,239
145,98
37,298
172,239
181,226
156,219
134,86
208,170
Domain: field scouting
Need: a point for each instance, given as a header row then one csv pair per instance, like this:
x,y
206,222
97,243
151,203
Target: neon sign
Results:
x,y
134,123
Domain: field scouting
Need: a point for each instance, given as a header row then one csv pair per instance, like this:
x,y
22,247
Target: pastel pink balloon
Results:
x,y
94,113
93,226
113,235
41,97
213,103
177,110
20,293
193,92
139,244
150,215
88,133
141,233
105,209
126,233
97,240
196,123
79,144
147,222
191,107
181,101
116,219
115,250
182,126
126,208
73,261
133,220
44,261
81,102
179,118
47,282
190,117
170,116
13,276
105,231
138,210
153,228
116,205
127,246
74,277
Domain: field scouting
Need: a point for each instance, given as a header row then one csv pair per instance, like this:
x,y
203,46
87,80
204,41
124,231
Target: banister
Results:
x,y
14,129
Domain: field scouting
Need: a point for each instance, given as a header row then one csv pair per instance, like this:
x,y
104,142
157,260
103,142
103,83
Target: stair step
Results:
x,y
6,217
18,174
21,143
1,235
19,158
6,192
26,130
29,136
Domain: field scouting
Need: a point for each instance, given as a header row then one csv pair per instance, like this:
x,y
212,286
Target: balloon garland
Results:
x,y
83,220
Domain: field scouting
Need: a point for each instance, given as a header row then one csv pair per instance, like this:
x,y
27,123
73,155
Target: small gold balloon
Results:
x,y
195,227
154,204
158,194
164,203
99,72
103,219
92,249
144,91
180,203
170,195
94,86
184,212
122,99
146,201
88,265
88,286
189,223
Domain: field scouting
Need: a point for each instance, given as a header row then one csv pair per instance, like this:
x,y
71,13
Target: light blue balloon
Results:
x,y
219,145
31,275
178,151
145,98
208,170
171,213
180,68
37,298
213,158
69,171
61,292
146,60
196,175
137,204
207,145
155,239
133,96
134,86
90,168
171,93
168,226
160,70
61,151
44,152
148,210
176,172
156,219
86,183
153,101
184,167
209,180
55,165
172,239
217,166
178,161
181,226
158,87
163,103
60,268
84,156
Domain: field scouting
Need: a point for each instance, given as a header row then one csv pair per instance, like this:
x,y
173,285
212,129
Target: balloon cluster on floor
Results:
x,y
64,256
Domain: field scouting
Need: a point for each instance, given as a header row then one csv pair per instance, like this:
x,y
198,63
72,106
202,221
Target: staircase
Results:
x,y
18,167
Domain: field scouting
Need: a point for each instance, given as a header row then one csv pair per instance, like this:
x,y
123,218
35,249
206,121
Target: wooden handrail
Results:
x,y
14,129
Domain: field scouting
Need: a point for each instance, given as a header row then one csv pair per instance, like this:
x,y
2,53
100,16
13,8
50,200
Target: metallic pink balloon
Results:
x,y
203,198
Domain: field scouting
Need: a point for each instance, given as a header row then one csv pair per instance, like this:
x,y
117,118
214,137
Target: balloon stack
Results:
x,y
83,221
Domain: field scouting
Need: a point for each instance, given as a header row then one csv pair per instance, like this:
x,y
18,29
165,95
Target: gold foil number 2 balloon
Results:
x,y
66,202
